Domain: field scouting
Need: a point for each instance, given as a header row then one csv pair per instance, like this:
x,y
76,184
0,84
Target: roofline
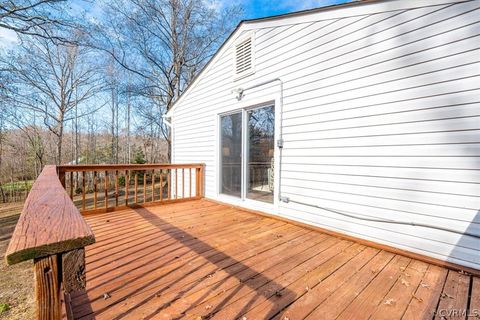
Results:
x,y
351,3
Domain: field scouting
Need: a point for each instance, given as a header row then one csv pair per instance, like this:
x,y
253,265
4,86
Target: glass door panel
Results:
x,y
231,154
260,150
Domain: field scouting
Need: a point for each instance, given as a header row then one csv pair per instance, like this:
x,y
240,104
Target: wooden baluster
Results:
x,y
169,182
83,191
176,183
94,189
153,185
116,188
161,185
197,182
145,186
106,190
190,182
127,182
71,185
136,186
183,182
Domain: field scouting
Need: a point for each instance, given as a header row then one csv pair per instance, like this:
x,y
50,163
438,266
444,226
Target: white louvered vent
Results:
x,y
243,57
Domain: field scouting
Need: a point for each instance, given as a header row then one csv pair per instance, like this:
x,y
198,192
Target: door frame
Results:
x,y
244,106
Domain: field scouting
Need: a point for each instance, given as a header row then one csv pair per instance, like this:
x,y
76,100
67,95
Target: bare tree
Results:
x,y
34,17
2,141
26,122
51,79
164,43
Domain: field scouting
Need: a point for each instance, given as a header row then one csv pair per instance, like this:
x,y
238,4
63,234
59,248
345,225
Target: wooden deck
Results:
x,y
200,259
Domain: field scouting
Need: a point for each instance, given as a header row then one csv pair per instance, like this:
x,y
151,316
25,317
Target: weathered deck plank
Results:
x,y
454,298
203,259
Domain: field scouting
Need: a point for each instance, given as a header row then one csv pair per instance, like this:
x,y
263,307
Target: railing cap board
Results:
x,y
146,166
49,223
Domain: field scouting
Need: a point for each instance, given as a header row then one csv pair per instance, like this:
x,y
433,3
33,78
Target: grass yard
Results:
x,y
18,186
16,282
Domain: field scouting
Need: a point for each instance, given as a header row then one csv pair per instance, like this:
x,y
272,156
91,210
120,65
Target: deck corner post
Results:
x,y
48,287
202,181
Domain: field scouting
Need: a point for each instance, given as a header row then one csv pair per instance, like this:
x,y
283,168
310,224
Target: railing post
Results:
x,y
50,230
199,179
51,272
202,180
61,177
48,287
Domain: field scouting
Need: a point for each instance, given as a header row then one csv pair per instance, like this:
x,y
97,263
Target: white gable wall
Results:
x,y
381,119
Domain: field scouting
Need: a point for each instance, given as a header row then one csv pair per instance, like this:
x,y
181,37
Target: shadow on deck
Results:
x,y
201,260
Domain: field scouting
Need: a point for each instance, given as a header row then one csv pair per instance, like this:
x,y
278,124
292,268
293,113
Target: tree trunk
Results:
x,y
59,141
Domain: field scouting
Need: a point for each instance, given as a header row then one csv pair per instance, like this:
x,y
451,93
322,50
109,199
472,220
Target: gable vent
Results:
x,y
243,57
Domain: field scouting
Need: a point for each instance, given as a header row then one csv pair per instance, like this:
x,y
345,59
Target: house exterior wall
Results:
x,y
380,117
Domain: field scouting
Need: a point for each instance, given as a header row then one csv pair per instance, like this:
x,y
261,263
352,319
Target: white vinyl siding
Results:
x,y
381,118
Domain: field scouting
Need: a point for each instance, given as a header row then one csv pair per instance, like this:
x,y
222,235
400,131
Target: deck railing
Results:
x,y
52,231
103,188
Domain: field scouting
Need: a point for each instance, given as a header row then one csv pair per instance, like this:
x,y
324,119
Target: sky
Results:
x,y
264,8
252,9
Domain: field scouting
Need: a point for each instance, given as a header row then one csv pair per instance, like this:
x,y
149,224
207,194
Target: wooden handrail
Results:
x,y
142,184
49,223
52,232
103,167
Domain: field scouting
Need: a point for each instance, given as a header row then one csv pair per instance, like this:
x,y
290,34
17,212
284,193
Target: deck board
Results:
x,y
200,259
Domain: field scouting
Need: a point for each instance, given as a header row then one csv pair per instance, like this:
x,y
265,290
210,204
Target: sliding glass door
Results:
x,y
260,149
247,140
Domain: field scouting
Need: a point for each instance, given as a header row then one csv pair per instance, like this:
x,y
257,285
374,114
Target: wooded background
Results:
x,y
89,81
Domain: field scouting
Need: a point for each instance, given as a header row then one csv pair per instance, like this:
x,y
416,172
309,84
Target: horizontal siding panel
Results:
x,y
437,186
374,63
467,150
387,208
464,163
410,127
268,40
347,30
423,60
463,176
439,236
453,253
420,114
462,99
441,137
457,66
385,89
423,197
439,22
437,87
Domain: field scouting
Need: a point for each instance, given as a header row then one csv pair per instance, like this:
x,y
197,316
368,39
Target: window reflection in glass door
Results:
x,y
231,154
260,153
